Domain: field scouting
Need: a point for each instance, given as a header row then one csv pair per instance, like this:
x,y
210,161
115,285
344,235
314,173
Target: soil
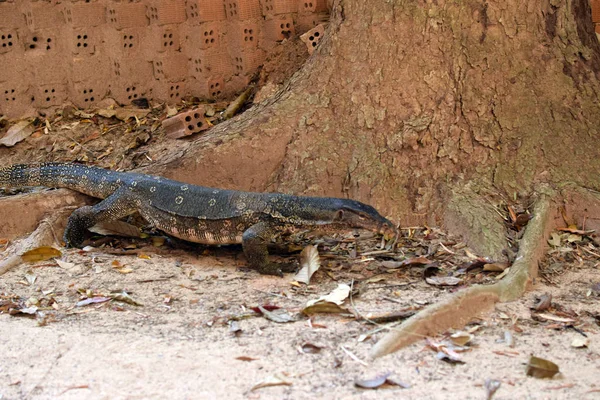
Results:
x,y
196,334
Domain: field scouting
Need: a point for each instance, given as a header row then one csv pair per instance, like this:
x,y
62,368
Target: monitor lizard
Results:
x,y
195,213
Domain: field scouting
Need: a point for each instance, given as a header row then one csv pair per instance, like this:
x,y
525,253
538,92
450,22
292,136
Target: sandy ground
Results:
x,y
180,343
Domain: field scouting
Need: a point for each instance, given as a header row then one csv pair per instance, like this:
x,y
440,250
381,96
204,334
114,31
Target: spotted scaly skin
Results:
x,y
195,213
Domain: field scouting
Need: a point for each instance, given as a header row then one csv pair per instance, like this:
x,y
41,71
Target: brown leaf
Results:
x,y
273,380
580,342
544,302
311,348
309,264
371,383
407,262
116,228
443,281
92,300
246,358
41,254
551,317
18,132
495,267
541,368
280,316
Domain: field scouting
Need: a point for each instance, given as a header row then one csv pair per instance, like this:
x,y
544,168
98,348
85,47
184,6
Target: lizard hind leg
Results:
x,y
120,204
254,242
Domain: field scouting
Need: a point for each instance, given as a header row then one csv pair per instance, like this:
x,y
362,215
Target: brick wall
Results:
x,y
82,51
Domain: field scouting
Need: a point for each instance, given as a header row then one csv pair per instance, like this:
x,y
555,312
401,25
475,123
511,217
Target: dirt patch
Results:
x,y
183,339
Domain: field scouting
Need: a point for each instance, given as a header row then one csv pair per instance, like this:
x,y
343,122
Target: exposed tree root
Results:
x,y
464,305
47,233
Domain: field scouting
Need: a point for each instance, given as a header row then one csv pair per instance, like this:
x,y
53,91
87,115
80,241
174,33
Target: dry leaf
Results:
x,y
580,342
551,317
116,228
92,300
461,338
273,380
30,277
495,267
125,298
171,111
280,316
491,386
246,358
544,303
443,281
324,308
309,263
41,254
407,262
310,348
18,132
540,368
554,240
372,383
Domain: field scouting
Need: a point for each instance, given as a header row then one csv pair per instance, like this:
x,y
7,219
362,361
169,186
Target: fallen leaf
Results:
x,y
509,339
171,111
25,310
491,386
551,317
125,298
309,264
280,316
16,133
324,308
554,240
372,383
30,278
116,228
449,358
67,266
540,368
246,358
40,254
461,338
580,342
407,262
92,300
576,231
310,348
273,380
495,267
443,281
544,302
337,296
234,327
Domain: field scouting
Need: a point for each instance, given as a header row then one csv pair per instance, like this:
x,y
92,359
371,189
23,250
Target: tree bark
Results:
x,y
405,102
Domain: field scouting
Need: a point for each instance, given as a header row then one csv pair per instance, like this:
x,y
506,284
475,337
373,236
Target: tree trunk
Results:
x,y
406,103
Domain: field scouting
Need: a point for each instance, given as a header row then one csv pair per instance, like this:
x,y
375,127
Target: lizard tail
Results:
x,y
53,175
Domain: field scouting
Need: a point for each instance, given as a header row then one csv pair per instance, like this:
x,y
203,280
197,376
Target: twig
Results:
x,y
352,356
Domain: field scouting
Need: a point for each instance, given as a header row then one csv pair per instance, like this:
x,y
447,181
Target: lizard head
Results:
x,y
354,214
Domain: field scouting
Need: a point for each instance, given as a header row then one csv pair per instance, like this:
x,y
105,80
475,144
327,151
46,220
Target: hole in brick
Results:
x,y
282,26
84,91
49,40
199,124
188,118
130,44
171,43
47,47
35,38
314,44
177,87
171,35
190,127
287,25
311,38
32,46
135,96
316,34
92,98
78,36
127,90
47,98
165,44
196,115
91,90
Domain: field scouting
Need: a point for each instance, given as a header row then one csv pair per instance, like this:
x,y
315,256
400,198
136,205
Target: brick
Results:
x,y
246,62
163,12
275,7
244,34
313,37
215,86
44,16
15,99
242,9
84,40
171,68
312,6
86,94
595,4
82,15
168,40
209,63
126,15
280,28
128,89
48,95
9,40
10,16
210,10
205,36
42,42
305,22
84,69
186,124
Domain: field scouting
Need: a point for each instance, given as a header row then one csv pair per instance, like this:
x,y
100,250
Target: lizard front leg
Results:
x,y
118,205
254,242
